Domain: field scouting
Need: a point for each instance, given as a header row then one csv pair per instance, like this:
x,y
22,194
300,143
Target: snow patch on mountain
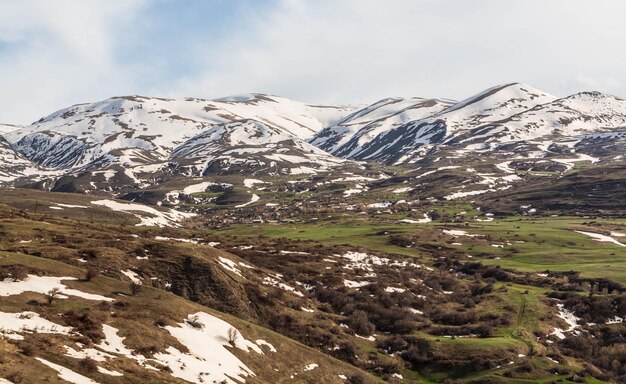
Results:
x,y
206,337
154,217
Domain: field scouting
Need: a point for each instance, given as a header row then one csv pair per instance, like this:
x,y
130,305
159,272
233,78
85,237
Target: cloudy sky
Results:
x,y
57,53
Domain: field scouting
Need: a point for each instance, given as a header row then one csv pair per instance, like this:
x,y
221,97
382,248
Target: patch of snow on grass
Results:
x,y
169,218
12,324
43,285
385,204
457,232
274,281
261,342
197,188
394,289
350,192
71,206
363,261
208,359
91,353
163,238
615,320
133,276
458,195
112,342
505,167
249,183
105,371
67,374
569,318
254,199
402,190
355,284
426,219
229,265
602,238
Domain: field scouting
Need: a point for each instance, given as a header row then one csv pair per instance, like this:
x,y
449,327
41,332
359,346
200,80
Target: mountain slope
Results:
x,y
167,330
497,117
5,128
491,105
126,146
360,127
579,114
14,166
250,146
135,130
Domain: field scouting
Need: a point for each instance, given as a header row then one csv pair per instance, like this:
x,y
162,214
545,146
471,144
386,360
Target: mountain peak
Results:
x,y
501,95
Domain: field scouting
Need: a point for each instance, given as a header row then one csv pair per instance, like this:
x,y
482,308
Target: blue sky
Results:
x,y
57,53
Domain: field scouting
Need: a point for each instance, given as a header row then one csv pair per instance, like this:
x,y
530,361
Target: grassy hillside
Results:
x,y
454,299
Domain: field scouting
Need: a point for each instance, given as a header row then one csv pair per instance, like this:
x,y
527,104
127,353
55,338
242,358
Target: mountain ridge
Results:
x,y
255,133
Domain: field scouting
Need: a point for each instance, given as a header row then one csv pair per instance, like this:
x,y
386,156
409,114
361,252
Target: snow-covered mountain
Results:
x,y
136,130
5,128
348,136
579,114
14,166
137,141
251,146
495,117
491,105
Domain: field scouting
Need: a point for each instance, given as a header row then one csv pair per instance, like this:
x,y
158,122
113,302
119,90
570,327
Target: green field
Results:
x,y
530,244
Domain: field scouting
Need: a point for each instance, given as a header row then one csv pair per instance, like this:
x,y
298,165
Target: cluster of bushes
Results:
x,y
372,309
418,352
604,347
477,330
16,272
593,308
86,323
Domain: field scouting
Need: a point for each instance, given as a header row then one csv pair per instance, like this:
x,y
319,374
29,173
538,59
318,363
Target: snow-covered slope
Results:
x,y
579,114
124,143
510,112
4,128
491,105
135,130
14,166
250,146
349,135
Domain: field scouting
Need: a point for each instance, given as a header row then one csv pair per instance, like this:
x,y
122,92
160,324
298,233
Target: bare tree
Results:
x,y
233,335
135,288
52,294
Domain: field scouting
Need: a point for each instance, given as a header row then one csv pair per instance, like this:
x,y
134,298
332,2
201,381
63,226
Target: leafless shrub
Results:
x,y
233,335
135,288
52,294
195,322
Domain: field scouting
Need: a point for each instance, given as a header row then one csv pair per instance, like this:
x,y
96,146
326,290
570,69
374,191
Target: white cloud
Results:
x,y
362,50
59,52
